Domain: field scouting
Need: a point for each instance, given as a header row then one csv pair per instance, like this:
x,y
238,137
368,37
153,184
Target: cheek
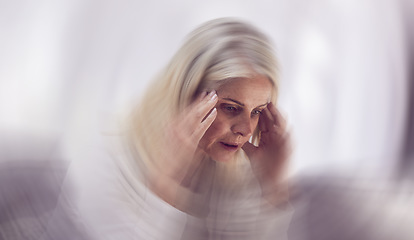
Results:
x,y
218,129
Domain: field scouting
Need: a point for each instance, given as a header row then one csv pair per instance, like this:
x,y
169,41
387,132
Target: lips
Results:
x,y
229,146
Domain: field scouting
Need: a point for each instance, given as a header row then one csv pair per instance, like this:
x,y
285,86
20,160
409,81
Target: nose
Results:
x,y
242,125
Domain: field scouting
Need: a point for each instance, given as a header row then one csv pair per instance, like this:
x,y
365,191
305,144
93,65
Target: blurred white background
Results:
x,y
68,66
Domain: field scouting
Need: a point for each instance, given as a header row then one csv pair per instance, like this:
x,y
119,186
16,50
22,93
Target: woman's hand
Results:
x,y
269,158
177,156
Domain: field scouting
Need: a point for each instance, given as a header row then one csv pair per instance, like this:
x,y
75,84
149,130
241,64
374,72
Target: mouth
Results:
x,y
230,146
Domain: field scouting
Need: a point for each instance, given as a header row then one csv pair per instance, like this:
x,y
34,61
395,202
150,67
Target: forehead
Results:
x,y
252,91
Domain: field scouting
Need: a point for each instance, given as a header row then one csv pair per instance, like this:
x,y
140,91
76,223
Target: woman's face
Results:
x,y
240,102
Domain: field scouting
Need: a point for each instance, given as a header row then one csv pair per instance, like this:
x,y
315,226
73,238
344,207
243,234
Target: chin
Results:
x,y
223,157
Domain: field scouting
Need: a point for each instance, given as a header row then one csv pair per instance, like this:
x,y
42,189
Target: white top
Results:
x,y
108,204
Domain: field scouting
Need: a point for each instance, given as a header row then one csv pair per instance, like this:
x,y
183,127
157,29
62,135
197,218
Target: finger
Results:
x,y
249,148
198,111
267,120
182,117
203,126
262,124
201,109
277,116
199,99
202,95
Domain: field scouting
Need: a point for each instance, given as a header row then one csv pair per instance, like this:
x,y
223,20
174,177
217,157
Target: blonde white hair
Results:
x,y
216,51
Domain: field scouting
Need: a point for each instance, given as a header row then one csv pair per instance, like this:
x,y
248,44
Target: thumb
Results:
x,y
249,148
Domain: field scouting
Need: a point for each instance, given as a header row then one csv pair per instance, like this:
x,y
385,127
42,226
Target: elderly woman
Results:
x,y
210,120
205,152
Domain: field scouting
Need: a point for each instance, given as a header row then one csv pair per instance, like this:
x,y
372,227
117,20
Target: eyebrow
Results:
x,y
241,104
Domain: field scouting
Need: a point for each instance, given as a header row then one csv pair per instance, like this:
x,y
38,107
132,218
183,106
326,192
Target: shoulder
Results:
x,y
104,194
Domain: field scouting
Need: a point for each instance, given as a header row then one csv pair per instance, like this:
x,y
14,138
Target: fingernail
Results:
x,y
207,94
213,95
